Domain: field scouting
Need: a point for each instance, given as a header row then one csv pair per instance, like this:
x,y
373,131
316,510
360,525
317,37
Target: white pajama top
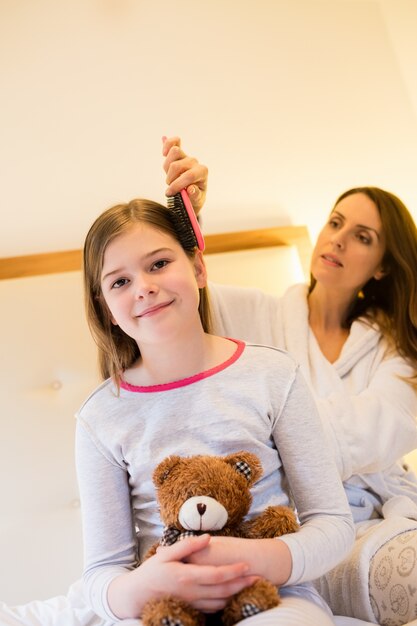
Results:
x,y
256,401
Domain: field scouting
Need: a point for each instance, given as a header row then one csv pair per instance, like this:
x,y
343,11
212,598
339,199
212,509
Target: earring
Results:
x,y
360,295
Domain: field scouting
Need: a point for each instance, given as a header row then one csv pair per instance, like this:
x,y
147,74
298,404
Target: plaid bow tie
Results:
x,y
171,535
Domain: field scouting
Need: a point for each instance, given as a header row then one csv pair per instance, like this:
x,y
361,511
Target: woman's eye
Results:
x,y
364,238
119,283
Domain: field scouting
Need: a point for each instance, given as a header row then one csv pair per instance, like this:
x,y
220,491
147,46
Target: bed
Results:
x,y
48,368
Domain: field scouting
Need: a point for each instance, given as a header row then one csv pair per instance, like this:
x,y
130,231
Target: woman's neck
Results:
x,y
327,316
178,360
328,308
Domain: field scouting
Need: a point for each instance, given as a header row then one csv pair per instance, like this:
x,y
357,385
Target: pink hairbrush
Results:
x,y
188,227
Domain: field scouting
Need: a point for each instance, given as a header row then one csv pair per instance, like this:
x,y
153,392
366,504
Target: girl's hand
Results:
x,y
184,172
206,587
268,558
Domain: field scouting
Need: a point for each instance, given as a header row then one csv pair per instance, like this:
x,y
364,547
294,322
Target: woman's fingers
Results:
x,y
184,172
168,143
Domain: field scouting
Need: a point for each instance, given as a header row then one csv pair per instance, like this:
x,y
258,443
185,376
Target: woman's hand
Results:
x,y
206,587
268,558
184,172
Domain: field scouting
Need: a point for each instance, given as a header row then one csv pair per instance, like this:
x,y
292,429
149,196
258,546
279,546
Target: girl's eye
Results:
x,y
159,264
120,282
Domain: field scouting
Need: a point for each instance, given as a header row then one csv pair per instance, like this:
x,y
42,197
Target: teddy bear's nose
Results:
x,y
201,508
202,513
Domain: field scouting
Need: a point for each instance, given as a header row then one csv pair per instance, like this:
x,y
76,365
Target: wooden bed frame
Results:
x,y
70,260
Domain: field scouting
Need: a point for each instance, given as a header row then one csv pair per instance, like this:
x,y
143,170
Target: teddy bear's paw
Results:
x,y
259,597
273,522
170,612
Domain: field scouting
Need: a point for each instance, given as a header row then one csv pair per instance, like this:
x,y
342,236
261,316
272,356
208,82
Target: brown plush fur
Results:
x,y
227,480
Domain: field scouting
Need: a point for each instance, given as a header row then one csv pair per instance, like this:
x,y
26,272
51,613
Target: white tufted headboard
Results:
x,y
48,366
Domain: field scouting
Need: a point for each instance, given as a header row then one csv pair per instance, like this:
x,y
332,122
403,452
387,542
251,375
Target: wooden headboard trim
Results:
x,y
71,260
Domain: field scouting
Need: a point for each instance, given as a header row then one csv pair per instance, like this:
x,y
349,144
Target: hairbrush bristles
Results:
x,y
186,222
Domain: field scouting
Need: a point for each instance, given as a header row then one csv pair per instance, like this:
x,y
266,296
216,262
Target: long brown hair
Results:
x,y
116,350
391,302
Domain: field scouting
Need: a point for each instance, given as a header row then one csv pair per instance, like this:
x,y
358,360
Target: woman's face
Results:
x,y
351,246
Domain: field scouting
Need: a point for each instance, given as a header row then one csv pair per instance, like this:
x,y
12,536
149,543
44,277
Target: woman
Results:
x,y
354,332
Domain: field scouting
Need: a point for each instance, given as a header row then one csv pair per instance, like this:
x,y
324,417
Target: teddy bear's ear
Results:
x,y
163,470
247,464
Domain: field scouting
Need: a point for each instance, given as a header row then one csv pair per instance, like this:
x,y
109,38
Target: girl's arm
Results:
x,y
268,558
327,532
115,585
110,547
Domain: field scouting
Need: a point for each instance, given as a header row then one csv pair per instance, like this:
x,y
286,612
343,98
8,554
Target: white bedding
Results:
x,y
65,610
70,610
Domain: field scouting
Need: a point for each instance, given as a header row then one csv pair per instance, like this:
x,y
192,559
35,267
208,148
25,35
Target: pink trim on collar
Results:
x,y
191,379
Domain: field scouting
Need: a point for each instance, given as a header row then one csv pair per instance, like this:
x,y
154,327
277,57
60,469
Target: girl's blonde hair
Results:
x,y
391,302
116,350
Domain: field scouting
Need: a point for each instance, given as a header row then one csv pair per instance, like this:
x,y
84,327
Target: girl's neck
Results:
x,y
169,363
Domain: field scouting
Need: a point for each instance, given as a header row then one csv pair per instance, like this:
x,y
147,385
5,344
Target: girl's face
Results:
x,y
150,285
351,246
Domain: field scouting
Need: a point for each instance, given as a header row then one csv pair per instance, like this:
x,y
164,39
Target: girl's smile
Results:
x,y
152,310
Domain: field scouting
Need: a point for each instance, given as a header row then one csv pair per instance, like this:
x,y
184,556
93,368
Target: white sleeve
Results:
x,y
371,430
327,532
245,313
109,538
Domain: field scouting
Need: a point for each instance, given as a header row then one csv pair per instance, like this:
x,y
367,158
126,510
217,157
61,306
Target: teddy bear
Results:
x,y
211,494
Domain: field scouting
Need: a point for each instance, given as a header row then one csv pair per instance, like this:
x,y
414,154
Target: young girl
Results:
x,y
173,388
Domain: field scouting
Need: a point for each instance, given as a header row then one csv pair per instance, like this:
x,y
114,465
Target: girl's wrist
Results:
x,y
122,597
271,559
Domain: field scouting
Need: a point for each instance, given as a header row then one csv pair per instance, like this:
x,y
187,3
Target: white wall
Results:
x,y
289,102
